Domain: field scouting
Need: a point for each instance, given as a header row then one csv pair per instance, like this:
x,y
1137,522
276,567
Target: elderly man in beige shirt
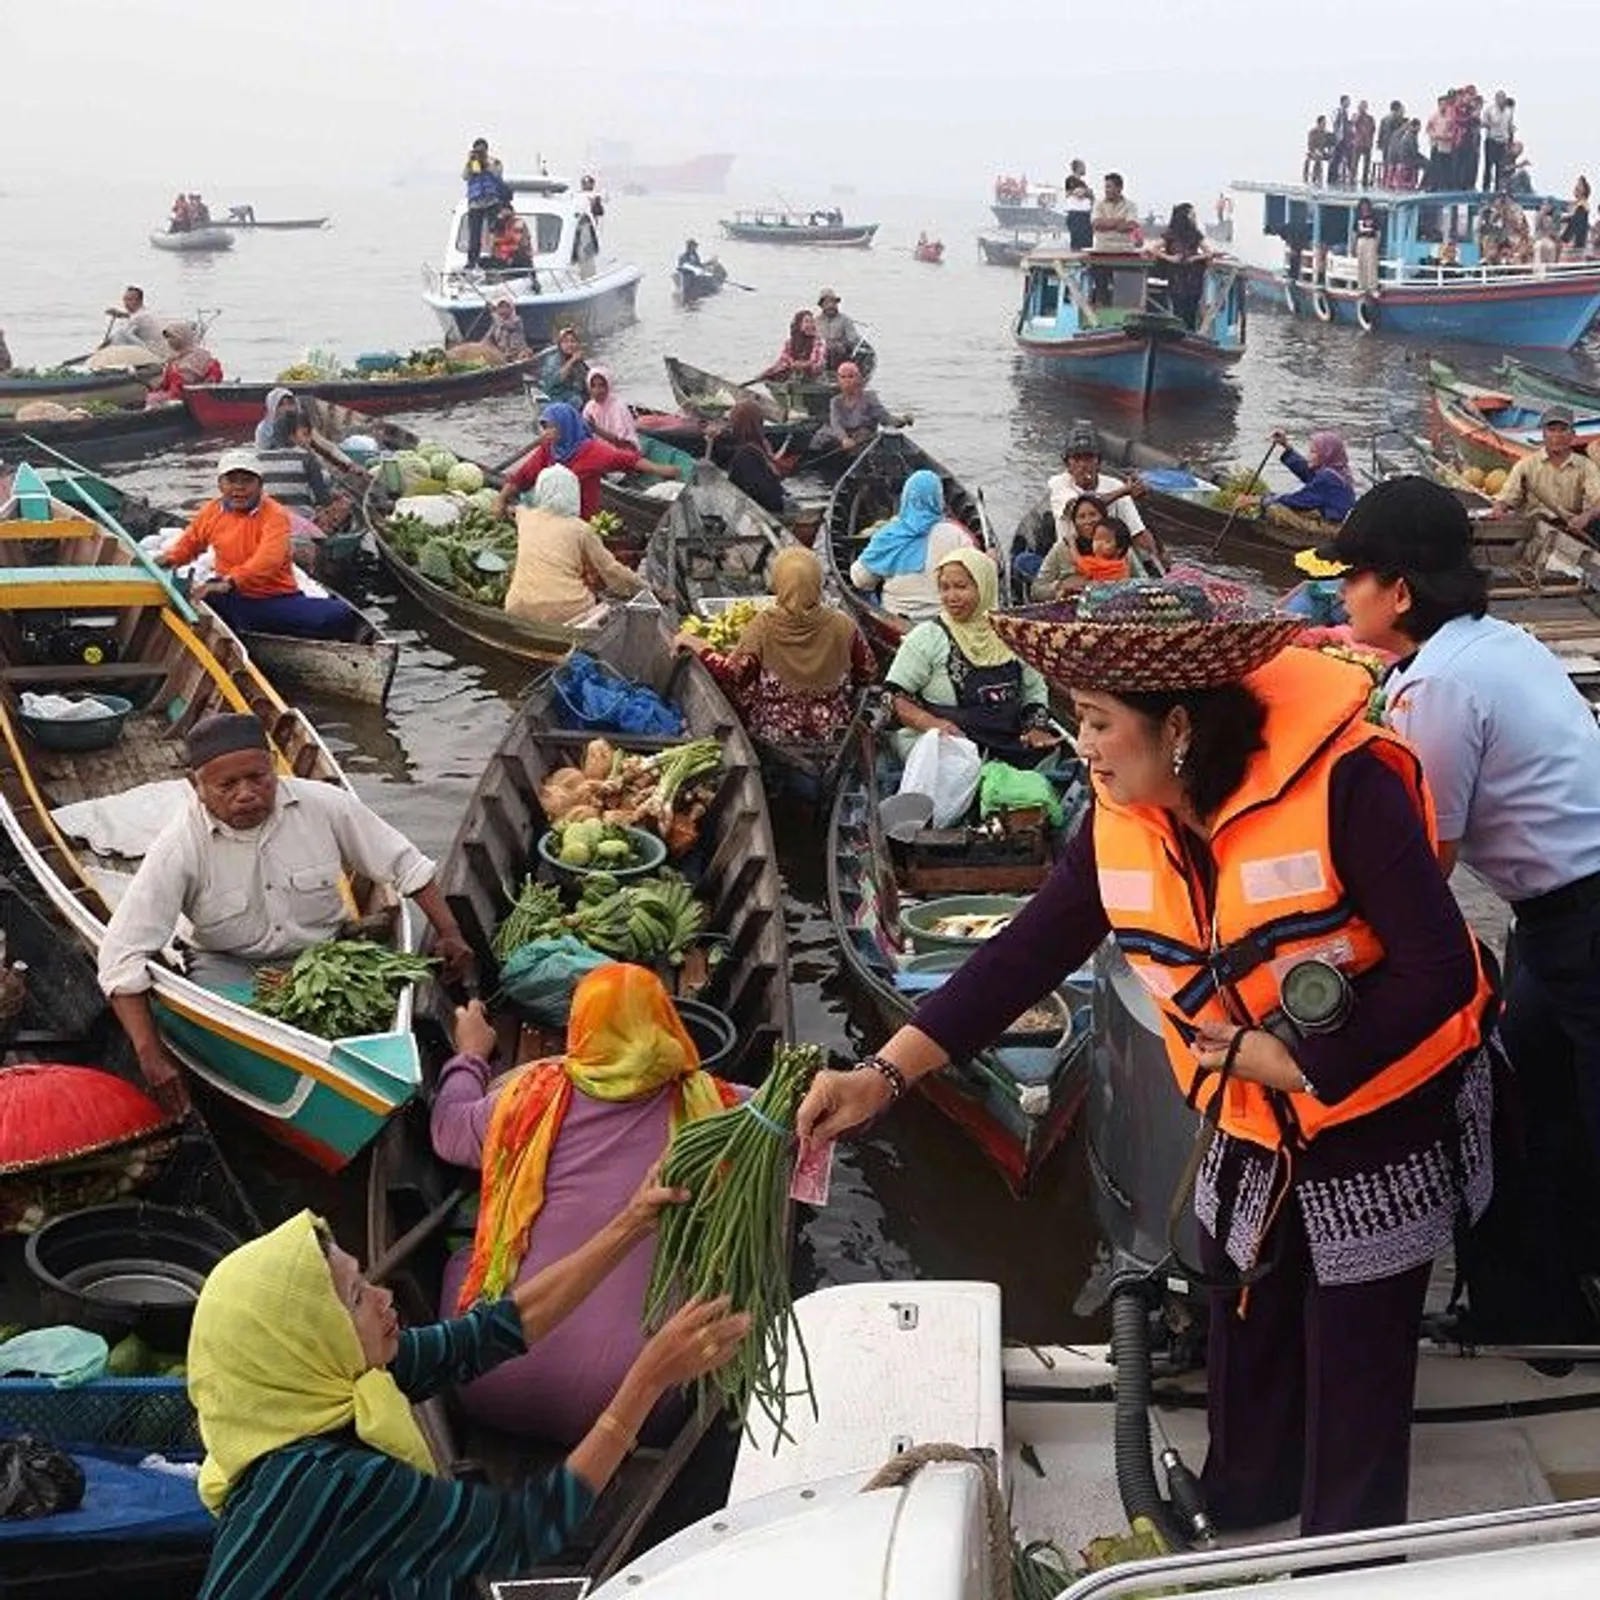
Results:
x,y
255,863
1556,482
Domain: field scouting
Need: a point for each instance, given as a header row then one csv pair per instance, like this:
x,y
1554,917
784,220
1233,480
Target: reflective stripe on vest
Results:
x,y
1278,897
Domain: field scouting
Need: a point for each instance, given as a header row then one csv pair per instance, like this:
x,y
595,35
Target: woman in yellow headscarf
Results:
x,y
796,670
956,674
561,1143
320,1480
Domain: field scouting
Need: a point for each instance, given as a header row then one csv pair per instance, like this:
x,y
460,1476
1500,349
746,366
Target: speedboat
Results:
x,y
572,282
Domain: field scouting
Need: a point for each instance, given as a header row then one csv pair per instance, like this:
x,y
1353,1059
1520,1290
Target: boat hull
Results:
x,y
223,406
1130,369
594,306
1552,314
1539,383
283,225
694,286
332,669
837,238
196,240
115,436
1043,219
103,388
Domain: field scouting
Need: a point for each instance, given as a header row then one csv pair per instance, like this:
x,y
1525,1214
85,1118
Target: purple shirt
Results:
x,y
1390,874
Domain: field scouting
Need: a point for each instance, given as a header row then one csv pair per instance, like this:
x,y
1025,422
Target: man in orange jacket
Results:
x,y
255,586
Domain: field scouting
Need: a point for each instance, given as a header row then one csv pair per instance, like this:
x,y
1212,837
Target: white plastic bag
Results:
x,y
946,768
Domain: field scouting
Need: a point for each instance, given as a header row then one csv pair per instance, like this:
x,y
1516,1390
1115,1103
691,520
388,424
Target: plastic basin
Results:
x,y
650,851
89,733
713,1032
918,920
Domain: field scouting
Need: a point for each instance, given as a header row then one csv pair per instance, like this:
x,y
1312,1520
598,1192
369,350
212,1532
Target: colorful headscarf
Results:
x,y
624,1041
611,414
557,489
570,430
188,356
274,1358
1328,450
976,637
901,544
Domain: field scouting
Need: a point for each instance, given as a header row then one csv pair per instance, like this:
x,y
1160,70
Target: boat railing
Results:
x,y
454,283
1482,1530
1342,272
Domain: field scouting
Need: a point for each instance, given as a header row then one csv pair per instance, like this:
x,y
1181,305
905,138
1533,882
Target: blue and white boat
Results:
x,y
1109,322
1526,305
571,282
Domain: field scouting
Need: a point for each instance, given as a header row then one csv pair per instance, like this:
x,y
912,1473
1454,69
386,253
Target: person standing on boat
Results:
x,y
1319,152
565,440
1077,206
1499,129
254,862
1363,130
901,559
487,191
1442,132
1511,753
131,324
855,414
1556,481
1369,247
840,338
5,353
1387,129
1248,819
1115,222
250,538
1575,227
1339,165
1184,253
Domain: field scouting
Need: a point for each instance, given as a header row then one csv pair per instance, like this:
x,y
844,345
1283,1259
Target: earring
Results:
x,y
1179,756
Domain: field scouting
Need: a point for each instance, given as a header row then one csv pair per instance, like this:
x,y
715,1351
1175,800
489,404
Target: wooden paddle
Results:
x,y
1233,510
105,339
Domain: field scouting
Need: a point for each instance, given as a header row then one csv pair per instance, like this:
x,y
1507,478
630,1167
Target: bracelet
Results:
x,y
888,1071
607,1423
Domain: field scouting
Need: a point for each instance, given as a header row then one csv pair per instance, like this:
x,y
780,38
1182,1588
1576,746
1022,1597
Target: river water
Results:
x,y
914,1200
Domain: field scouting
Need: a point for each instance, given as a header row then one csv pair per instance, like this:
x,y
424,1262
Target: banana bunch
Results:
x,y
645,922
600,918
723,632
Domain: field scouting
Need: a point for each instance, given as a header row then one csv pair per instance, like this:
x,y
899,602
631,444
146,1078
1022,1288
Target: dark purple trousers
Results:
x,y
1310,1392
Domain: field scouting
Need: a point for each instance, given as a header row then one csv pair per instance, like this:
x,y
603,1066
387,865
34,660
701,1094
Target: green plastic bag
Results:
x,y
538,977
1002,787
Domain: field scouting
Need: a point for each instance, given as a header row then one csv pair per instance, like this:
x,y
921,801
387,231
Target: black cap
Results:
x,y
1403,525
1083,440
222,734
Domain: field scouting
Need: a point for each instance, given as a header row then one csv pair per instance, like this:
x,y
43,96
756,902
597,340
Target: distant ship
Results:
x,y
618,171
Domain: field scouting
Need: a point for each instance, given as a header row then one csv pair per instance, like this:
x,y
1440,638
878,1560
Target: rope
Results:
x,y
901,1469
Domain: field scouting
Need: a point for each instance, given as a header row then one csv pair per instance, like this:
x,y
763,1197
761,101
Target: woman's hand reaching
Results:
x,y
700,1338
643,1211
836,1102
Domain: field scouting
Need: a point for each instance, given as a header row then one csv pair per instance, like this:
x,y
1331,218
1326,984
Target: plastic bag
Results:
x,y
596,697
1003,787
37,1479
946,768
538,977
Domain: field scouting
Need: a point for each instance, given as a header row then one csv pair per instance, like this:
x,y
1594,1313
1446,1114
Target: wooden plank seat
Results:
x,y
61,588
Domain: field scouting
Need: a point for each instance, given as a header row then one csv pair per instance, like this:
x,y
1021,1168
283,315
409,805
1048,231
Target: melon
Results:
x,y
1474,476
1495,481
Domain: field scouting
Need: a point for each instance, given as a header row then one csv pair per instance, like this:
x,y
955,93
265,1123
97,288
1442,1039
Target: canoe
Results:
x,y
869,493
275,225
71,389
831,235
1534,382
220,407
1006,252
120,435
1017,1101
705,394
88,612
194,239
699,283
137,1527
1494,429
413,1198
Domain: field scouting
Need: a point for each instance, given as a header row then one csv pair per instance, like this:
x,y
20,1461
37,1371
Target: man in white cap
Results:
x,y
253,861
249,536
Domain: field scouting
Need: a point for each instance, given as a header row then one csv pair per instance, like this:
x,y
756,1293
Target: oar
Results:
x,y
105,339
1233,511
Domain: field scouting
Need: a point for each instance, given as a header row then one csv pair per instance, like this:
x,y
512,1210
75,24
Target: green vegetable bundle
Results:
x,y
339,989
732,1237
649,920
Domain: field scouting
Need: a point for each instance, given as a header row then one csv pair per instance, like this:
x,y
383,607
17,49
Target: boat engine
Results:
x,y
72,639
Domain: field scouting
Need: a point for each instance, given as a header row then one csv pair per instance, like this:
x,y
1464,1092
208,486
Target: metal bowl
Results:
x,y
127,1268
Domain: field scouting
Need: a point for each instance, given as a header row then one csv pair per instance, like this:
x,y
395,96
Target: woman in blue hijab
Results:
x,y
564,440
903,555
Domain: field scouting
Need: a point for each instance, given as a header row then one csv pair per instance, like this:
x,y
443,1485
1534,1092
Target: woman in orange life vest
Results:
x,y
1247,816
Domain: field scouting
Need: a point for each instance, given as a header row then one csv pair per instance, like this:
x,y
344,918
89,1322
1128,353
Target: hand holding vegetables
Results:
x,y
642,1214
697,1340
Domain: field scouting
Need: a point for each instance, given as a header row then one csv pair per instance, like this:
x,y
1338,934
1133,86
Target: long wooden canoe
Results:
x,y
1494,429
705,394
72,388
869,493
222,406
120,435
358,668
61,572
1535,382
1017,1101
414,1199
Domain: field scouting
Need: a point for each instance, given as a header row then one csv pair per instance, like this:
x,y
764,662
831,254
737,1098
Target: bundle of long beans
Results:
x,y
732,1237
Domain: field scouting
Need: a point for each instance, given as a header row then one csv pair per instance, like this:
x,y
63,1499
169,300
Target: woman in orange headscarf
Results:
x,y
561,1144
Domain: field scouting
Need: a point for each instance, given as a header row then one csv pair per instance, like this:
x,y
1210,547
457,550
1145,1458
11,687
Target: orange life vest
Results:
x,y
1278,899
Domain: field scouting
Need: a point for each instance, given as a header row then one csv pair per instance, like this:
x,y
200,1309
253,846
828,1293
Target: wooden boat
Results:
x,y
71,388
120,435
414,1198
80,608
1493,430
869,493
783,404
274,224
1107,321
699,283
193,240
794,227
224,406
1017,1100
358,668
1534,382
929,250
1008,252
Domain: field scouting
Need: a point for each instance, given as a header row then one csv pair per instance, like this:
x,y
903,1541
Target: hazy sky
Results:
x,y
928,97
